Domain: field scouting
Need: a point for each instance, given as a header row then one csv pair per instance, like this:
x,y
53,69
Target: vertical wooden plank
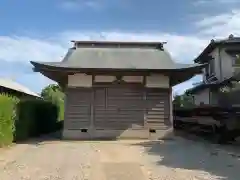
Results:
x,y
78,108
145,102
122,104
92,109
106,98
92,104
99,106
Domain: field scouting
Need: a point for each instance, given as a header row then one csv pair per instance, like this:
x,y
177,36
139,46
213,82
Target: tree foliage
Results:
x,y
54,93
183,100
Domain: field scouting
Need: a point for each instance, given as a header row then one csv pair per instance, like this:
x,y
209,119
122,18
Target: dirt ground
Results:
x,y
177,159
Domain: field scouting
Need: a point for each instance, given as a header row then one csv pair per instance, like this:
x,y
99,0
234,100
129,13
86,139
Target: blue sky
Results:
x,y
42,30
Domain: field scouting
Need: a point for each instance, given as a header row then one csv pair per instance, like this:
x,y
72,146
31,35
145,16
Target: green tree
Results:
x,y
177,101
183,100
54,93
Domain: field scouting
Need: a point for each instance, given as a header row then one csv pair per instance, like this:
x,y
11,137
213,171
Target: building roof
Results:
x,y
136,56
204,56
8,83
117,55
117,58
202,86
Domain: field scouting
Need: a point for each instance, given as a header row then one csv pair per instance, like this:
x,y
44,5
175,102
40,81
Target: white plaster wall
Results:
x,y
157,81
133,79
227,66
82,80
101,78
227,69
202,96
79,80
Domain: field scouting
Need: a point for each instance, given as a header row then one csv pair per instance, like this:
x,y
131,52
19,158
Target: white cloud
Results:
x,y
214,2
96,5
25,49
73,5
214,20
221,25
226,1
22,49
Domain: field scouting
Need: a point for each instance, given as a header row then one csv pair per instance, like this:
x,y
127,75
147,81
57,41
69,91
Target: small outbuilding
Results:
x,y
117,89
8,86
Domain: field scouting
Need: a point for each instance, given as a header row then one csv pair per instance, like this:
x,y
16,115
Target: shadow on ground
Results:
x,y
194,155
56,136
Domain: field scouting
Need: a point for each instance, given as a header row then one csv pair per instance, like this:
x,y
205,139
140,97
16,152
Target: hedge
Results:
x,y
7,118
22,119
35,117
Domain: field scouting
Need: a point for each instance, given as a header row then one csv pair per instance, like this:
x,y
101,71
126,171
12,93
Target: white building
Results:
x,y
223,61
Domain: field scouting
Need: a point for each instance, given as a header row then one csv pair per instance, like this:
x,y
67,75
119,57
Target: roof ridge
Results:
x,y
118,44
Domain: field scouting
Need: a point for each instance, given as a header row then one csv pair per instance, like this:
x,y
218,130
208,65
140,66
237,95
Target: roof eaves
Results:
x,y
17,87
196,88
201,87
55,66
206,51
213,44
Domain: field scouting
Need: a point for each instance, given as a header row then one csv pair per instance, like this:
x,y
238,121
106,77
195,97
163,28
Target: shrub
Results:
x,y
35,117
7,118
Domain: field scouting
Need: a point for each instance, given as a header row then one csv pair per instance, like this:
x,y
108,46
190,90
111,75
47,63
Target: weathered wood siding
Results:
x,y
78,108
99,107
157,108
105,104
118,107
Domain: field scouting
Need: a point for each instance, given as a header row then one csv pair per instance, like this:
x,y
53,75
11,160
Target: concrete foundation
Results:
x,y
115,134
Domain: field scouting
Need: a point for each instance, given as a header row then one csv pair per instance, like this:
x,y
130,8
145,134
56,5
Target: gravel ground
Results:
x,y
177,159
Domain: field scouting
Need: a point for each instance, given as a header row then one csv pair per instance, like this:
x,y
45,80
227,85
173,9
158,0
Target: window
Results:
x,y
236,59
211,67
209,70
